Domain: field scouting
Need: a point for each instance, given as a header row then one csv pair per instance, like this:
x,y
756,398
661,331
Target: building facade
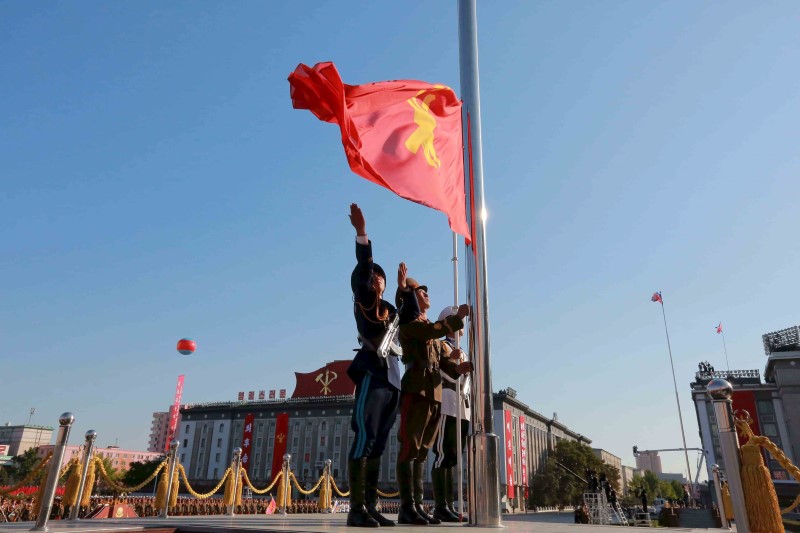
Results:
x,y
119,458
526,439
20,439
159,432
648,461
771,404
313,425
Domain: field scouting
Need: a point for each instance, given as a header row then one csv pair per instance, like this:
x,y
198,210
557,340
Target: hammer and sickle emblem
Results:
x,y
326,379
280,437
426,123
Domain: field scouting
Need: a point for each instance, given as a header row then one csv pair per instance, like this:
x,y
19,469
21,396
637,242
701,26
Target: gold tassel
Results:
x,y
763,511
173,497
239,488
71,487
89,485
227,498
282,486
324,501
727,502
161,491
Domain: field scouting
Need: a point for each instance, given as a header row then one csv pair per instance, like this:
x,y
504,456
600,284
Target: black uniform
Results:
x,y
377,397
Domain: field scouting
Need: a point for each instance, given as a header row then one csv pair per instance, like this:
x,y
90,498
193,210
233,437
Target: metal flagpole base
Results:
x,y
484,484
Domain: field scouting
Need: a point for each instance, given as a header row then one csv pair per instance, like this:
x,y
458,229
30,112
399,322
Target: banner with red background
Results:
x,y
523,453
279,444
509,453
174,412
247,441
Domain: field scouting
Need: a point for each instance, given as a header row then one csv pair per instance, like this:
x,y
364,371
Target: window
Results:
x,y
205,428
187,428
185,443
766,407
323,426
322,440
222,427
258,442
321,456
307,457
337,441
216,458
183,457
219,443
770,430
295,442
216,474
202,443
200,458
308,442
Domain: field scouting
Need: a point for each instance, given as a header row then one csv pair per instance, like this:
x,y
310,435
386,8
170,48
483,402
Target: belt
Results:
x,y
432,367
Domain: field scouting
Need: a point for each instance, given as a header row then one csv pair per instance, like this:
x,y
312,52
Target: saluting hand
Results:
x,y
456,354
357,220
463,311
402,274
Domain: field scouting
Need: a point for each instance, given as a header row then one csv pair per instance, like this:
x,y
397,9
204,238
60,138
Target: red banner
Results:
x,y
746,401
174,412
523,453
509,454
330,380
279,444
247,441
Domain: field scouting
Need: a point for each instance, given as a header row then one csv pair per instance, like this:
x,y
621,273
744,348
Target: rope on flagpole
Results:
x,y
677,399
724,347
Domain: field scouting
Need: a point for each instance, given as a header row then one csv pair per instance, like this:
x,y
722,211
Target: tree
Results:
x,y
112,472
555,485
23,464
138,471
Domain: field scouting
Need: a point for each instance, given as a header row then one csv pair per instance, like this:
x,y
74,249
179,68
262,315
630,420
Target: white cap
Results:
x,y
450,310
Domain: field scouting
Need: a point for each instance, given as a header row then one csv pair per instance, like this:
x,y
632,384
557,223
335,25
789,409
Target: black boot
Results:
x,y
440,510
407,513
371,491
448,495
419,470
358,515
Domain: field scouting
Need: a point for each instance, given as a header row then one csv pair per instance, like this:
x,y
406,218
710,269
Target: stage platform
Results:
x,y
299,523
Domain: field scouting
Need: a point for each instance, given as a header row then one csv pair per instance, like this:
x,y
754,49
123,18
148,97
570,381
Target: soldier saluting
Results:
x,y
423,354
377,379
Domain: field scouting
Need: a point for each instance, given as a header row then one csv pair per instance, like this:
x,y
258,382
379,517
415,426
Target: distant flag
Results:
x,y
404,135
719,328
273,505
657,297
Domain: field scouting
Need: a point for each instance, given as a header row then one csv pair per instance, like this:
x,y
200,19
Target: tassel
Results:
x,y
763,511
227,498
89,485
161,491
323,503
727,502
71,487
239,488
282,486
173,497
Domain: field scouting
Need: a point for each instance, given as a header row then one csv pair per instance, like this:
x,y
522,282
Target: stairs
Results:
x,y
697,518
601,512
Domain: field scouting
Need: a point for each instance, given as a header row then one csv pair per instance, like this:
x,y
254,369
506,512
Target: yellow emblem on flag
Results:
x,y
426,123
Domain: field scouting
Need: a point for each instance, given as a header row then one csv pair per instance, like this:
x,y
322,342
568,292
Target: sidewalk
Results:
x,y
519,523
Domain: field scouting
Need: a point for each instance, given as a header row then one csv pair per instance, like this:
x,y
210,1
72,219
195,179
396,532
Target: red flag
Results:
x,y
247,441
403,135
273,505
719,328
657,297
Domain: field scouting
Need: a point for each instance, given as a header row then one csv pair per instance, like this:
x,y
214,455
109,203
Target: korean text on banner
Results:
x,y
509,441
247,441
174,413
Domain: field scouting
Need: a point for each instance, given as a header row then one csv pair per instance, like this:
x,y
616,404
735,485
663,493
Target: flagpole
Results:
x,y
483,446
677,400
459,390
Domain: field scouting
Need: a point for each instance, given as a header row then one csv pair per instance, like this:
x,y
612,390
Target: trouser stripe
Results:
x,y
362,430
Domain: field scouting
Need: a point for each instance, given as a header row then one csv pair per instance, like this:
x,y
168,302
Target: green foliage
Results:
x,y
656,488
23,464
138,471
554,485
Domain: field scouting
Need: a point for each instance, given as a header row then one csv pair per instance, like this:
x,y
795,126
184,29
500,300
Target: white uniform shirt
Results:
x,y
450,397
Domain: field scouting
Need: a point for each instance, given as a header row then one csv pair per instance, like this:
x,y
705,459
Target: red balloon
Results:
x,y
186,346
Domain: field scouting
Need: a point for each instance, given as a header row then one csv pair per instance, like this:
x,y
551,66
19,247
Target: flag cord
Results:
x,y
459,390
726,350
677,401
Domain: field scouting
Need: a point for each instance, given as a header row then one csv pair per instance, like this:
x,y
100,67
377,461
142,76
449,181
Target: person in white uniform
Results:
x,y
445,448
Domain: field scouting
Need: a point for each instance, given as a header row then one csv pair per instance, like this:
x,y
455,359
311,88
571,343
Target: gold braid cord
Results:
x,y
66,468
743,424
28,479
196,494
120,487
260,491
340,493
305,492
388,494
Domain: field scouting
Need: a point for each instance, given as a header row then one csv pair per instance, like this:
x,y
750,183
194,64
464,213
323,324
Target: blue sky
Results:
x,y
156,184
